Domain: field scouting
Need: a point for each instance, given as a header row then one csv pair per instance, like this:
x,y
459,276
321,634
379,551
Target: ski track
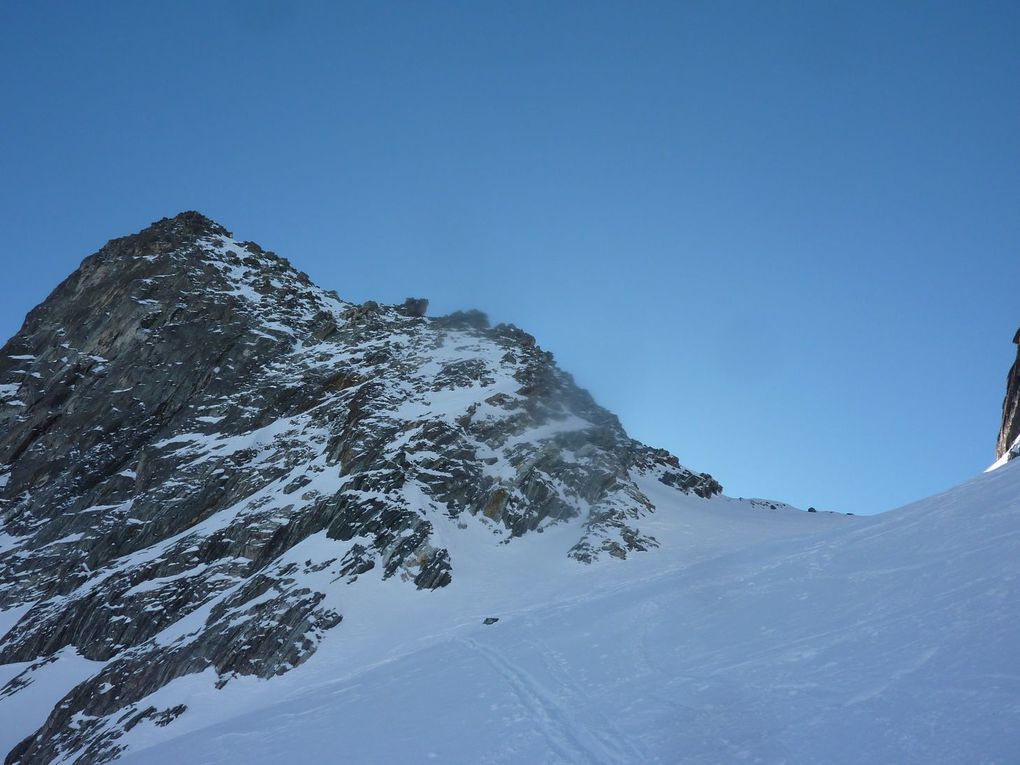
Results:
x,y
573,740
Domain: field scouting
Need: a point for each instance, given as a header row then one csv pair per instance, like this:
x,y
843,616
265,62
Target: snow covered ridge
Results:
x,y
744,638
204,456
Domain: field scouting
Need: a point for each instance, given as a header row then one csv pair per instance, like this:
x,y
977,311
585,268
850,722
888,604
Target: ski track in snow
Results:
x,y
571,738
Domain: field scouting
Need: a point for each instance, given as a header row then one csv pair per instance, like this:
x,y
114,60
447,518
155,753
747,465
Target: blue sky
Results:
x,y
779,239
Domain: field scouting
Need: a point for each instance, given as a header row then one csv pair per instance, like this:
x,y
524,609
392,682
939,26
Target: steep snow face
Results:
x,y
204,458
745,637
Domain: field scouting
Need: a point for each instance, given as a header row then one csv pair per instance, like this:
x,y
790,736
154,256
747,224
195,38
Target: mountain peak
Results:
x,y
188,223
200,450
166,236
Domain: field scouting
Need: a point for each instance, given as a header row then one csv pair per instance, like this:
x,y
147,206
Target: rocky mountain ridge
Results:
x,y
186,411
1008,444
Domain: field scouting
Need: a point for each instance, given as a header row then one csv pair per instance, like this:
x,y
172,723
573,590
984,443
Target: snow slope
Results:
x,y
749,636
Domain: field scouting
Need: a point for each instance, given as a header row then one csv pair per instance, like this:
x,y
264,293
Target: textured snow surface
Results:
x,y
748,636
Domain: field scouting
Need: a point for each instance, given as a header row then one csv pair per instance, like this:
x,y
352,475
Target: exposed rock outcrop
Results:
x,y
1010,428
414,307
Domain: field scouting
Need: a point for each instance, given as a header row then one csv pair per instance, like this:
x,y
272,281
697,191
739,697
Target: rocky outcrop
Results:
x,y
199,447
414,307
1010,428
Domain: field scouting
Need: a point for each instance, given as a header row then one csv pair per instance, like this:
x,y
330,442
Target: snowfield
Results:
x,y
752,635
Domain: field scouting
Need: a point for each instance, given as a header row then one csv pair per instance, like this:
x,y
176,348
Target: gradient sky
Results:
x,y
779,239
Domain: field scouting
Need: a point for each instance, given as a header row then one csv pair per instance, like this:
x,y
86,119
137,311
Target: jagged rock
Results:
x,y
366,310
414,307
472,319
1009,431
199,448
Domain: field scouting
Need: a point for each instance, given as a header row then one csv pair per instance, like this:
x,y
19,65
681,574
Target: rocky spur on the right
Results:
x,y
1007,445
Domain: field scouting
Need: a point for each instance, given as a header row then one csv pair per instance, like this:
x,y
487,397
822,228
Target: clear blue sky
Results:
x,y
779,239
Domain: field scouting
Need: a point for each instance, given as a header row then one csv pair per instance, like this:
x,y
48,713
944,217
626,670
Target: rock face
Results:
x,y
186,412
1010,429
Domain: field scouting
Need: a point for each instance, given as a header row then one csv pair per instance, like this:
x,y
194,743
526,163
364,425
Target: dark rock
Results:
x,y
366,310
490,620
463,320
1009,430
414,307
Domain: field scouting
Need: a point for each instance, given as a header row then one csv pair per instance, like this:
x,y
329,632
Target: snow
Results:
x,y
9,391
750,635
202,445
1010,453
23,712
243,280
8,619
67,539
568,424
160,582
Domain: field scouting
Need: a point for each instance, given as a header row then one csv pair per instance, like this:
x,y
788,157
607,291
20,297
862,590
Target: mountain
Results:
x,y
246,521
201,452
